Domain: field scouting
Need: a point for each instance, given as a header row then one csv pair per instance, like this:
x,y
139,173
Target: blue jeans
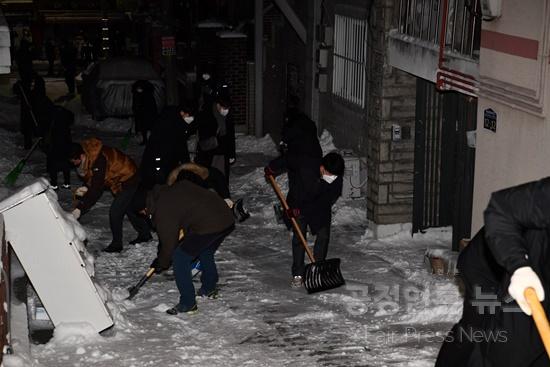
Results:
x,y
181,262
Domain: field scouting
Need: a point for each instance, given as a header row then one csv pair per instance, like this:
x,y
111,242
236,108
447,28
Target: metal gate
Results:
x,y
443,160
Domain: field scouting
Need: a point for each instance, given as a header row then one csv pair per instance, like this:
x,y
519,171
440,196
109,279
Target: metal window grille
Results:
x,y
422,19
349,76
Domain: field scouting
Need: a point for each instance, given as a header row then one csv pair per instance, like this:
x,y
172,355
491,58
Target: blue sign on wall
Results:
x,y
490,120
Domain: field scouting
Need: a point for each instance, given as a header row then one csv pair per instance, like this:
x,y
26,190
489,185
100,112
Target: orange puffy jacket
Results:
x,y
120,167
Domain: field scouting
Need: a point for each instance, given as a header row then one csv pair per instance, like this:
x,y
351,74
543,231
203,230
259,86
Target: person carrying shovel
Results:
x,y
511,258
314,186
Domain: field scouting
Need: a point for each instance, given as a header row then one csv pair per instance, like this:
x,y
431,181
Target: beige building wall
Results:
x,y
514,82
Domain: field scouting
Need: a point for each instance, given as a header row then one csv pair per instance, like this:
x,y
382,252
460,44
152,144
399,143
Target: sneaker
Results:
x,y
176,310
113,247
54,187
141,239
66,186
297,282
210,295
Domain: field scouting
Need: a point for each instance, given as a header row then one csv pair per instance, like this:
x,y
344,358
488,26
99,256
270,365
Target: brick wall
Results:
x,y
392,96
231,68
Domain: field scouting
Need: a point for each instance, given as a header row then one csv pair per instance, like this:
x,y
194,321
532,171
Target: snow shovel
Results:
x,y
195,269
10,179
539,316
135,289
319,275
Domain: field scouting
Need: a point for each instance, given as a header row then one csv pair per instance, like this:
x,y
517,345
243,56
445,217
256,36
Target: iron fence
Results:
x,y
423,19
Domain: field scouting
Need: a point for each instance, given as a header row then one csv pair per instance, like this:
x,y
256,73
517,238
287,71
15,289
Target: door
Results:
x,y
443,161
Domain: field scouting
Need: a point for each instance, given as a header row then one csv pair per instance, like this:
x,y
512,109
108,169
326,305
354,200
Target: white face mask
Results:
x,y
206,76
329,178
189,119
224,111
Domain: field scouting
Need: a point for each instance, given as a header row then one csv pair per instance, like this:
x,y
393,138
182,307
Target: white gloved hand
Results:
x,y
76,213
81,191
522,279
229,203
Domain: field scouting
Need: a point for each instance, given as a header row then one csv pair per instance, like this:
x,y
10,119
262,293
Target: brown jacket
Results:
x,y
120,168
189,207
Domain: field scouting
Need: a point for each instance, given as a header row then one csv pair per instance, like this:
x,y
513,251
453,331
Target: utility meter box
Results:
x,y
48,244
352,177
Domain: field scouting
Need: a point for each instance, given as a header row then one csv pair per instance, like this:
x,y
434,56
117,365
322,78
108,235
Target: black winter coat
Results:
x,y
168,141
481,277
306,190
208,127
517,225
57,140
144,105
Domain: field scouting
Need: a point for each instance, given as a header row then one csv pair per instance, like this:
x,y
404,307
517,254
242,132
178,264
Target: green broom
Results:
x,y
10,179
126,139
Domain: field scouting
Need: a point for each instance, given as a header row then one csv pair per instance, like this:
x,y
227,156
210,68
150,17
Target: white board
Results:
x,y
38,234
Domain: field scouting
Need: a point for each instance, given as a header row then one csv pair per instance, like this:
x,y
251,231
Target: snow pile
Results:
x,y
19,360
74,333
344,213
109,124
250,144
327,143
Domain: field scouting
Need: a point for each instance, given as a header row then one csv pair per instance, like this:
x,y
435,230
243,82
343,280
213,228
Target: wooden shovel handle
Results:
x,y
295,225
539,316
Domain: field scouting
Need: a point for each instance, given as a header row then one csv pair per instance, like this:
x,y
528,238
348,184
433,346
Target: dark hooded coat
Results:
x,y
188,207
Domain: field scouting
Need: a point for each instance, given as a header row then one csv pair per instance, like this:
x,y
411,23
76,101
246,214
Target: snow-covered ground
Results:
x,y
391,312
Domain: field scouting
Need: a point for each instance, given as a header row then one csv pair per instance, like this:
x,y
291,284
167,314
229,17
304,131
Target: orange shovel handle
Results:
x,y
539,316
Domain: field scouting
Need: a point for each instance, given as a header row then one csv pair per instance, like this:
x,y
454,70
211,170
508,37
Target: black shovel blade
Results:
x,y
323,275
132,291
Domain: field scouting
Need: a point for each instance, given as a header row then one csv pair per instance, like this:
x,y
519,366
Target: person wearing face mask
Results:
x,y
314,186
216,147
166,147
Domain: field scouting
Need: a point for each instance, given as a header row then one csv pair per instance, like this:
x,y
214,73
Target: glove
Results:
x,y
76,213
292,213
232,160
229,203
156,265
522,279
268,171
81,191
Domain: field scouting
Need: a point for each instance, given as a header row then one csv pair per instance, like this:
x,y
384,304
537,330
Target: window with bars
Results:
x,y
349,74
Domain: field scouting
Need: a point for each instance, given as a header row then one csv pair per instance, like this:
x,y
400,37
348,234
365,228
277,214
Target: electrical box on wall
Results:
x,y
491,9
396,132
326,35
322,58
322,82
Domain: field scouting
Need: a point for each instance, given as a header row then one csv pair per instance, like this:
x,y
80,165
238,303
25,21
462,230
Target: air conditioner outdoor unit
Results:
x,y
352,177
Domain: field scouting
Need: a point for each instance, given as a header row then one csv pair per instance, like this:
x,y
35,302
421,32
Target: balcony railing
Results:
x,y
423,19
